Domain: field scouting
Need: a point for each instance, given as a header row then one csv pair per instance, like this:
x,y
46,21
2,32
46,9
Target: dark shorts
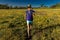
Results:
x,y
29,22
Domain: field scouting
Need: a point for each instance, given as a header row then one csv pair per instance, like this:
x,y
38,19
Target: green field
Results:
x,y
46,24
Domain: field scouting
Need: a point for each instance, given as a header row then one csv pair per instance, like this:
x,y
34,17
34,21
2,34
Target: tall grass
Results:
x,y
46,24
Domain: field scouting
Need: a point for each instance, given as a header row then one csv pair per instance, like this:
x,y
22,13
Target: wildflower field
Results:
x,y
46,24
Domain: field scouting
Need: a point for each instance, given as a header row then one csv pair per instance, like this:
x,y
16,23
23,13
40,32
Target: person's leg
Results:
x,y
28,28
29,25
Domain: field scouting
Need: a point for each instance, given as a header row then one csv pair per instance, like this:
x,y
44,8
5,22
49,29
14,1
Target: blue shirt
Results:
x,y
29,15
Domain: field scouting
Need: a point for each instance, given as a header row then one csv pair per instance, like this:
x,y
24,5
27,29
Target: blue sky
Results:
x,y
34,3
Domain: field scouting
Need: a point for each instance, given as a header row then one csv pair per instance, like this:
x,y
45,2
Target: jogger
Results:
x,y
29,18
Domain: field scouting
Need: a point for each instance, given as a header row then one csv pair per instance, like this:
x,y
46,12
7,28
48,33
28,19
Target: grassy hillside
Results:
x,y
46,24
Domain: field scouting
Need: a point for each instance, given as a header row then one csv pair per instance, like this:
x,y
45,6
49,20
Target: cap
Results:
x,y
29,6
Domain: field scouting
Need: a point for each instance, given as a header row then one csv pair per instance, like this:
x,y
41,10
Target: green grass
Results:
x,y
46,24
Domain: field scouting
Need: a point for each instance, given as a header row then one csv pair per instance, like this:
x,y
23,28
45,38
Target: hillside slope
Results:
x,y
46,24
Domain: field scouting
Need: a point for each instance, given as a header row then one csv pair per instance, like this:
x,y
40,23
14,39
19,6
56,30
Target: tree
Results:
x,y
43,6
56,6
